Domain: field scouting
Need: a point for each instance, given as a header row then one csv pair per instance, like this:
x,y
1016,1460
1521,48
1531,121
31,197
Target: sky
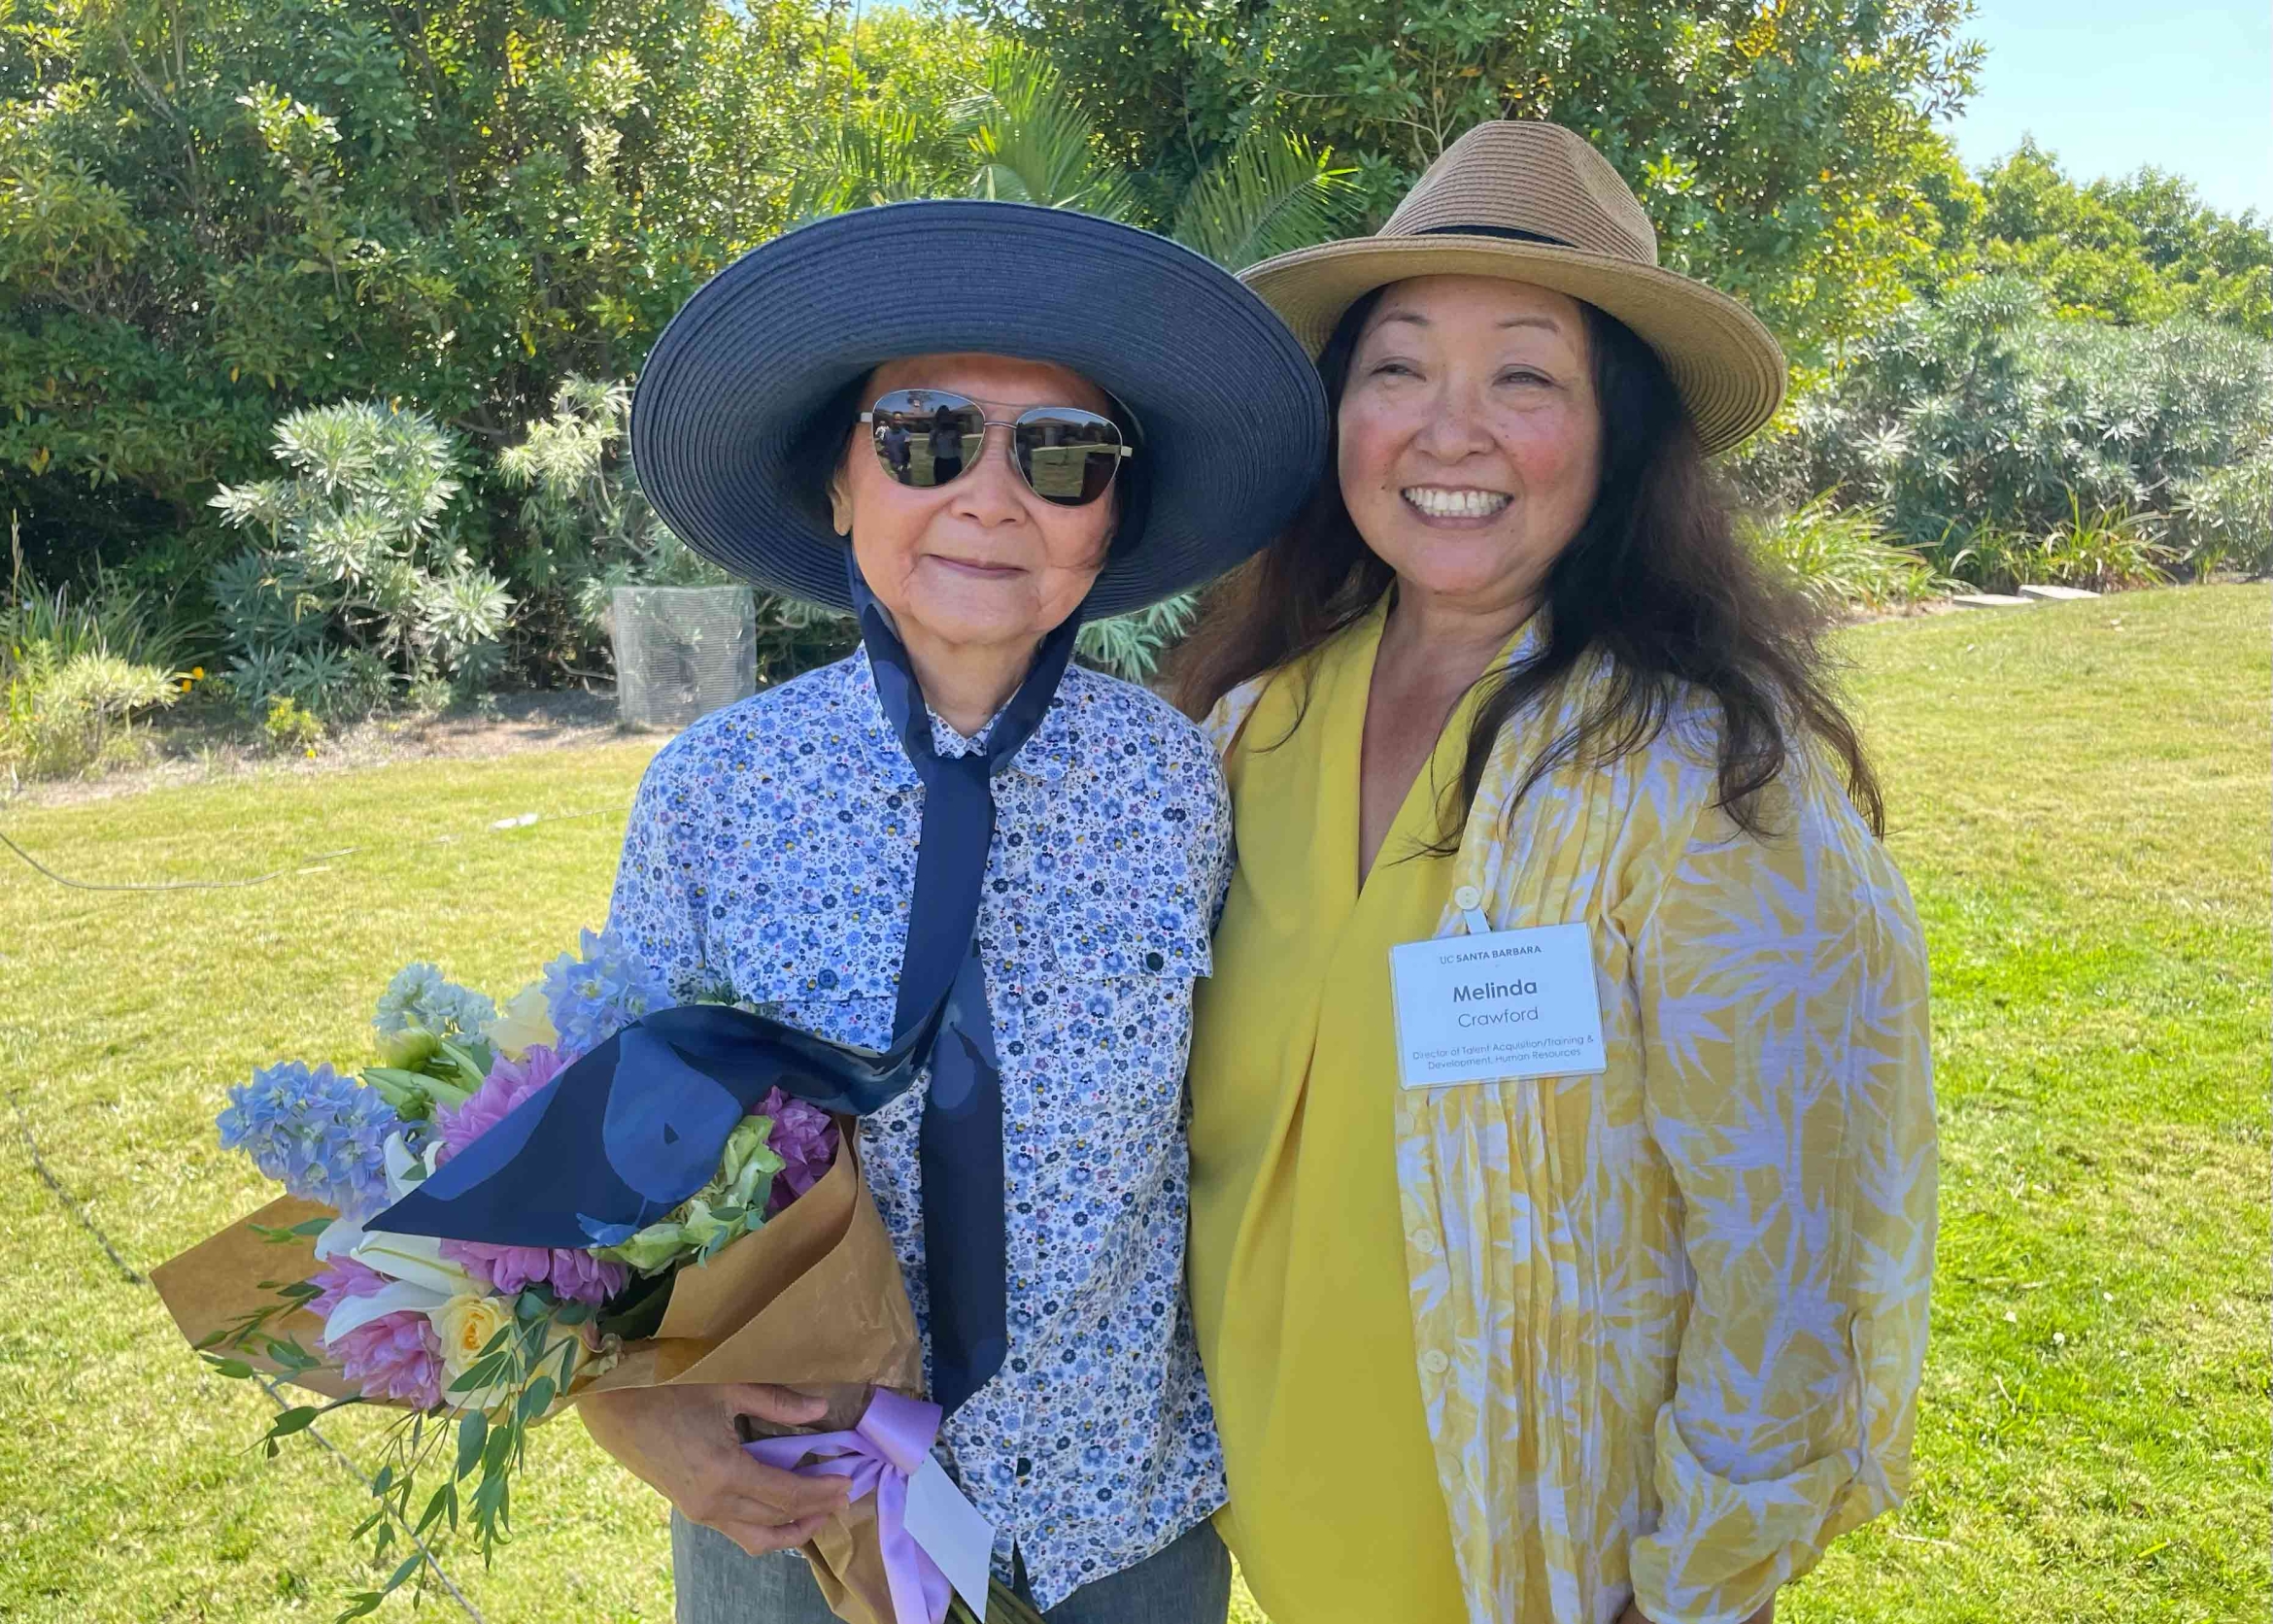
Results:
x,y
2111,84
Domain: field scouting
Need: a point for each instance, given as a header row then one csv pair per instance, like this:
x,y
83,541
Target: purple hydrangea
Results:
x,y
805,1137
396,1356
573,1275
321,1135
594,998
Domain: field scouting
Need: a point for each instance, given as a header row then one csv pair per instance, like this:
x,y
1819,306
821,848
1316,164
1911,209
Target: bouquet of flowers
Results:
x,y
776,1270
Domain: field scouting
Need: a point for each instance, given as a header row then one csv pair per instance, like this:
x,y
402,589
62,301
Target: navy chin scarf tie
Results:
x,y
959,1145
636,1125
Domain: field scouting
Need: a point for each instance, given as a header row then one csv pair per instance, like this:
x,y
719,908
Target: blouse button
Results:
x,y
1435,1362
1467,897
1424,1241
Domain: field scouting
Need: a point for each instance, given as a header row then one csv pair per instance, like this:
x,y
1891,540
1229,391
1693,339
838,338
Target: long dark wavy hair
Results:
x,y
1657,579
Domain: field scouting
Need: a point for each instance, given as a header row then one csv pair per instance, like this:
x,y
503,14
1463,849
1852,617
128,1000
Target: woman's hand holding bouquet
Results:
x,y
774,1271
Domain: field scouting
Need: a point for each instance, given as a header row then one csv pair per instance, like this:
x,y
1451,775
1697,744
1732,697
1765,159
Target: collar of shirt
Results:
x,y
1055,729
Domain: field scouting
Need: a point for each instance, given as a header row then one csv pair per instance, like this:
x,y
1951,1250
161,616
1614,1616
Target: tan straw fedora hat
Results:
x,y
1532,202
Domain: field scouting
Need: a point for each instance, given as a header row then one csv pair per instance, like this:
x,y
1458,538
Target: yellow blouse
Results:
x,y
1298,1248
1667,1320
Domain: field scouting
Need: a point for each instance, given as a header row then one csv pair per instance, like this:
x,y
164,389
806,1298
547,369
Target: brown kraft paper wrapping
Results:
x,y
814,1299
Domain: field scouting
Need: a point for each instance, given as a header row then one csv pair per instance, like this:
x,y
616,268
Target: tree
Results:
x,y
2143,248
1030,141
216,212
1774,145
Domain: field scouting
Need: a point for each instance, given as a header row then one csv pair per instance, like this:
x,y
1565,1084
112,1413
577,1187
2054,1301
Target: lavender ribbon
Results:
x,y
885,1448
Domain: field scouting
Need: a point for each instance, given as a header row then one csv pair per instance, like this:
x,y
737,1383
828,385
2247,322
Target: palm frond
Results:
x,y
1271,194
1033,143
862,162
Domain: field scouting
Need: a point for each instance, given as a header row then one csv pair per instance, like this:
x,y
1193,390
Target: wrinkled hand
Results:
x,y
1635,1615
685,1443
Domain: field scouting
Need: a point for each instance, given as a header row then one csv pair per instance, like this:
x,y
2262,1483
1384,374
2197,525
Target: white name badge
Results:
x,y
1485,1007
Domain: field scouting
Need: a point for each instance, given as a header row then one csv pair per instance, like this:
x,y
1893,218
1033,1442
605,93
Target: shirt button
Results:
x,y
1424,1241
1435,1362
1467,897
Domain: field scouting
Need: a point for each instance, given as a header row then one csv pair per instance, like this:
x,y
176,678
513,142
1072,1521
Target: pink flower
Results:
x,y
805,1137
396,1356
573,1275
509,1082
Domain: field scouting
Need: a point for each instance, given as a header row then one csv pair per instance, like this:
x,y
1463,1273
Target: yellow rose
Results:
x,y
525,1023
466,1326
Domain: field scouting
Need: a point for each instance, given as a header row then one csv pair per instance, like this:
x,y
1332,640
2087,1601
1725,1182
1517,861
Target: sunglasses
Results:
x,y
926,437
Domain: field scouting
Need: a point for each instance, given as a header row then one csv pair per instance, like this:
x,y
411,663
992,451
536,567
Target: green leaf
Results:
x,y
410,1565
499,1342
234,1369
436,1505
285,1237
293,1420
497,1452
472,1432
536,1399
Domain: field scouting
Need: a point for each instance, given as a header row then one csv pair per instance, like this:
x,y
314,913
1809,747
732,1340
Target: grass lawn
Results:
x,y
2079,796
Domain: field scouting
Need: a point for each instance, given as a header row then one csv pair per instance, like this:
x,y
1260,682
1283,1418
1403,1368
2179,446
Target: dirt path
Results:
x,y
194,749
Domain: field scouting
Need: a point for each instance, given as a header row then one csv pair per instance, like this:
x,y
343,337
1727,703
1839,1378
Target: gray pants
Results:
x,y
718,1582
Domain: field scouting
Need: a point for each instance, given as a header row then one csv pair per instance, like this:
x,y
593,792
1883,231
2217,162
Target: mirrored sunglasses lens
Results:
x,y
1067,457
924,437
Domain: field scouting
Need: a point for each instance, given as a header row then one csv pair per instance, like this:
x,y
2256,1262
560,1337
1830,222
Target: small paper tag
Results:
x,y
950,1532
1487,1008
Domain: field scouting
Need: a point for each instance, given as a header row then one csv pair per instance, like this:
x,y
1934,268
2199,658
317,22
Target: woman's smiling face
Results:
x,y
980,560
1470,436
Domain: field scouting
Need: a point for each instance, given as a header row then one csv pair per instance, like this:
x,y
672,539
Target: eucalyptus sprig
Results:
x,y
518,1378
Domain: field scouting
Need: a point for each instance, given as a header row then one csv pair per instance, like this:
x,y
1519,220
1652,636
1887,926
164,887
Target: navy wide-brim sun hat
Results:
x,y
1230,419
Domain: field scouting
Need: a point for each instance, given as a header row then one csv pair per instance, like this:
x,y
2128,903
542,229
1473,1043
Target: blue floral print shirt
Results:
x,y
773,847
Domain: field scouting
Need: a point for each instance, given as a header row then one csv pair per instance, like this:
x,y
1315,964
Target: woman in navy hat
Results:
x,y
968,424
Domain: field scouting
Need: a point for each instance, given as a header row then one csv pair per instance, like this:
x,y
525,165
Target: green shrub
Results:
x,y
291,726
1133,646
77,670
2102,552
362,581
66,716
1982,413
2224,518
210,217
584,528
1841,559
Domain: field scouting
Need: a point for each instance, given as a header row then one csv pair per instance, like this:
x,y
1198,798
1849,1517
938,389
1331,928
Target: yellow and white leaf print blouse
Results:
x,y
1670,1318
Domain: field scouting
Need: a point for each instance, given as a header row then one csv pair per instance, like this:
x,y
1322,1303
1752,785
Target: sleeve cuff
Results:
x,y
1722,1548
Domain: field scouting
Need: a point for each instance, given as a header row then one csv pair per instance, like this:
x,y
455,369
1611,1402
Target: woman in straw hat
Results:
x,y
1562,1148
959,421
